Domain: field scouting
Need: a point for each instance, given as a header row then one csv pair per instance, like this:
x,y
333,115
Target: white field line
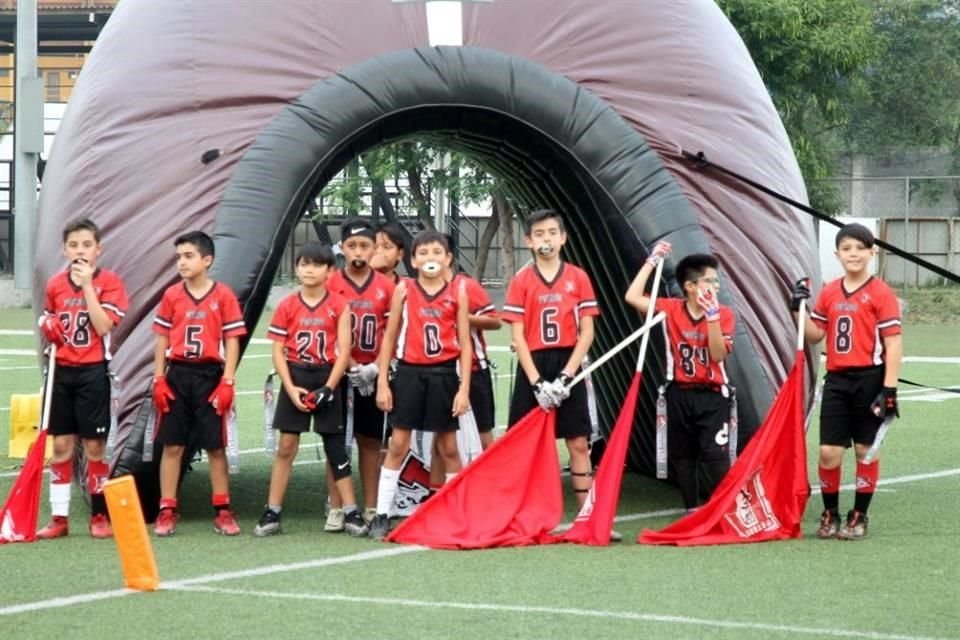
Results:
x,y
632,616
66,601
54,603
18,352
16,332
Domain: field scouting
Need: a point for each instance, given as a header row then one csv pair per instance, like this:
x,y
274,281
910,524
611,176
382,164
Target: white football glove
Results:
x,y
543,391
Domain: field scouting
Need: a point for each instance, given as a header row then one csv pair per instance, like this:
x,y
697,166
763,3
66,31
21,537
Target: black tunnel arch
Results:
x,y
555,144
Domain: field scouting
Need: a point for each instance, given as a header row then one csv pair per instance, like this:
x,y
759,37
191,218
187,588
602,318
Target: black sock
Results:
x,y
217,508
686,471
861,501
831,501
98,504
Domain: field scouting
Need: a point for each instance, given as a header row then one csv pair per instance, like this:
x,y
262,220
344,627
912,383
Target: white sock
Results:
x,y
450,476
387,489
60,498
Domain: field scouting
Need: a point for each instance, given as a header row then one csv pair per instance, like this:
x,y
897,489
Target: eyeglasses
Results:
x,y
714,281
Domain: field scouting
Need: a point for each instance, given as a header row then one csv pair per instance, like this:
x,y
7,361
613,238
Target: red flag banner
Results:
x,y
764,494
18,518
593,524
507,497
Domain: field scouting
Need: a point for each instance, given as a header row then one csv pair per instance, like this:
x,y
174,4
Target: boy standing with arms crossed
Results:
x,y
429,329
369,293
859,315
198,326
311,349
699,337
83,304
551,307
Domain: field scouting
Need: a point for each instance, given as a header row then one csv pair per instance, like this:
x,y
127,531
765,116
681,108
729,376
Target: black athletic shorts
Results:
x,y
573,416
481,399
697,417
845,414
289,419
423,397
368,420
81,401
191,416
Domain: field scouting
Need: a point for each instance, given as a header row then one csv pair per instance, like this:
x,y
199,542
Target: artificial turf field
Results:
x,y
902,581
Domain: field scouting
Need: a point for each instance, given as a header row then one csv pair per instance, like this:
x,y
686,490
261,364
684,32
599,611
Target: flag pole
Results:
x,y
623,344
654,290
800,324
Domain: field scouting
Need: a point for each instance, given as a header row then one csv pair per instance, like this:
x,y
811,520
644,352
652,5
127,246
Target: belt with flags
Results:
x,y
727,391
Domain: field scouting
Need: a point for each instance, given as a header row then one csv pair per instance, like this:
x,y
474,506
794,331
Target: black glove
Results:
x,y
800,291
319,398
885,404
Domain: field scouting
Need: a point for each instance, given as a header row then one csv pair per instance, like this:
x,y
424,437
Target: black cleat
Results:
x,y
268,525
354,525
379,526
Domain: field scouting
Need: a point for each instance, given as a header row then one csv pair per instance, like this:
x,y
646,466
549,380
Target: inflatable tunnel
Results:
x,y
578,106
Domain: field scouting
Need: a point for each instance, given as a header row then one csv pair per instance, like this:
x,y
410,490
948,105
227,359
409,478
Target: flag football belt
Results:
x,y
727,391
269,409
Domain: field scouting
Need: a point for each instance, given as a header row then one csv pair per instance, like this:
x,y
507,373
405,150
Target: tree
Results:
x,y
807,52
910,95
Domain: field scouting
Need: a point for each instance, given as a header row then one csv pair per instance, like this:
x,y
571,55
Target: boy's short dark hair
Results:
x,y
539,216
430,236
693,266
200,240
81,224
316,253
395,233
857,232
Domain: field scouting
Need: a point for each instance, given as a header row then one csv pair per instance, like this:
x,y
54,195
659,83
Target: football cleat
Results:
x,y
166,523
855,528
225,523
380,526
334,521
369,514
58,528
268,525
829,524
100,526
354,524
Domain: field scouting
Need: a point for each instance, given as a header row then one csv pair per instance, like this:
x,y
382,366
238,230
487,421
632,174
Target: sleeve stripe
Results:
x,y
277,330
512,309
163,323
817,316
236,324
587,303
895,322
485,310
114,308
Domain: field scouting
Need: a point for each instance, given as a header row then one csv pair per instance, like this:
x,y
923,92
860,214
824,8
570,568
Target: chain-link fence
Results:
x,y
921,215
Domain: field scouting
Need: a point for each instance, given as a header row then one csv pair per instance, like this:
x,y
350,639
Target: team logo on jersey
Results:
x,y
865,298
213,305
752,513
569,287
380,294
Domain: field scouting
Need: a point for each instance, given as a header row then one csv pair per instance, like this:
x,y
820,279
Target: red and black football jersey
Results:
x,y
550,311
479,303
856,322
197,327
369,310
688,344
65,301
428,328
308,333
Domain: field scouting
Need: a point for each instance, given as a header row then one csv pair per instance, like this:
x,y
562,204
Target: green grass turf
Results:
x,y
901,580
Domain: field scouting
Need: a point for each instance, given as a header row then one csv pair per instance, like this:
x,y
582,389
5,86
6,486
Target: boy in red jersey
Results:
x,y
311,350
698,332
429,333
368,292
390,249
83,304
551,307
198,326
859,315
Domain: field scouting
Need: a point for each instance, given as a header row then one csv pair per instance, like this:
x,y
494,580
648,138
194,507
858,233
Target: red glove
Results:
x,y
53,331
222,396
162,395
